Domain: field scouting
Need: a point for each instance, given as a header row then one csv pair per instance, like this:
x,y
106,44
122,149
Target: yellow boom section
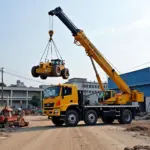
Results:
x,y
92,51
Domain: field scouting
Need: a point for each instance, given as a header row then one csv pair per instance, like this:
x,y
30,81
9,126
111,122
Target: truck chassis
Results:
x,y
90,114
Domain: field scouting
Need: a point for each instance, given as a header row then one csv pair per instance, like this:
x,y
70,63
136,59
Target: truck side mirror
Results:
x,y
62,93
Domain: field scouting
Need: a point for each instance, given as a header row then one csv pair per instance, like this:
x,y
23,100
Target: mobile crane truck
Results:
x,y
64,102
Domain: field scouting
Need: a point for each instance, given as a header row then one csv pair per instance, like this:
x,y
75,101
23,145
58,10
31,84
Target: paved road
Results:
x,y
42,135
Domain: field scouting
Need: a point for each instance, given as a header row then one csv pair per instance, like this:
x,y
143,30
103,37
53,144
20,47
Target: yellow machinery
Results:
x,y
65,104
53,68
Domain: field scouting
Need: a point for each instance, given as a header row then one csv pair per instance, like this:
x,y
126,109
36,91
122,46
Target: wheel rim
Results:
x,y
72,118
127,117
91,117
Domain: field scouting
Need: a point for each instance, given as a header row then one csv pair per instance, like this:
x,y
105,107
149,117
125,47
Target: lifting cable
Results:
x,y
51,44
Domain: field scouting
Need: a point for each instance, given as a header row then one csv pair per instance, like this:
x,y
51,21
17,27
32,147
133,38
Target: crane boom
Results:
x,y
91,50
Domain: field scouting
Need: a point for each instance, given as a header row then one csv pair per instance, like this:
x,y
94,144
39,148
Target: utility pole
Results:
x,y
2,84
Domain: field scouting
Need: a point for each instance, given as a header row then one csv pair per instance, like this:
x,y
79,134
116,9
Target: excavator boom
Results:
x,y
91,50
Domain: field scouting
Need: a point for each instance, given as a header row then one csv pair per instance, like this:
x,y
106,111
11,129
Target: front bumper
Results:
x,y
53,112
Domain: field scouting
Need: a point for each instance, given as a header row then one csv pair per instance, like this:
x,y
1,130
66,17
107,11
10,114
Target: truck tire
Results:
x,y
107,120
65,73
33,71
43,77
126,117
56,121
71,118
56,71
90,117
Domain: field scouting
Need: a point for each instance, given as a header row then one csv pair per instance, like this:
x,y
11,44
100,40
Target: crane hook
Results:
x,y
51,32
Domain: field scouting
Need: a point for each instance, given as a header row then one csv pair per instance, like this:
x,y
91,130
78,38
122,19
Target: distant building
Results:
x,y
19,95
18,84
88,87
45,86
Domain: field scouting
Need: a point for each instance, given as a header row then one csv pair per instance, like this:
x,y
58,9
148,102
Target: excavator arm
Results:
x,y
93,53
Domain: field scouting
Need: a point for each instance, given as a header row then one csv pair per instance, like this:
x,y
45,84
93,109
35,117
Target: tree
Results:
x,y
35,101
2,84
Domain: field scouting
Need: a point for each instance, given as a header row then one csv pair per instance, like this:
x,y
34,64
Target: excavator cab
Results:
x,y
57,62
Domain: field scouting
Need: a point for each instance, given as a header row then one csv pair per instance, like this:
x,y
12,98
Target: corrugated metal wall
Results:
x,y
139,80
147,104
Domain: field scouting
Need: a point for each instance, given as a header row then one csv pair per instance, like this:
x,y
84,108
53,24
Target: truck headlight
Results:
x,y
56,111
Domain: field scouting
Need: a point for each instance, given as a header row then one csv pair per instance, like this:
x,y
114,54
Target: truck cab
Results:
x,y
57,99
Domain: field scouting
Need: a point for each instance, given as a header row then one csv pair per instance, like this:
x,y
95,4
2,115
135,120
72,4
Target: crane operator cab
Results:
x,y
106,95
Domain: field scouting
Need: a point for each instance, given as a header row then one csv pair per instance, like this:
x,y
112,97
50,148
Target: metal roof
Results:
x,y
135,78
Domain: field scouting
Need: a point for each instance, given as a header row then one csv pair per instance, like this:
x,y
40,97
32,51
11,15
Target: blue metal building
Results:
x,y
139,79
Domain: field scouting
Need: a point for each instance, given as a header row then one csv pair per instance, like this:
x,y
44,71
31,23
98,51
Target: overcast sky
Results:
x,y
119,29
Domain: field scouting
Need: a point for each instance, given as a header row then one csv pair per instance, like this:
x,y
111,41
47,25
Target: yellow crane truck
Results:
x,y
64,103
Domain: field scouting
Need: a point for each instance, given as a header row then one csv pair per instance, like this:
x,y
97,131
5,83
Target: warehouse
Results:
x,y
140,80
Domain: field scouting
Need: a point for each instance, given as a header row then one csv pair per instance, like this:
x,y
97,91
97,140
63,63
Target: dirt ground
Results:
x,y
43,135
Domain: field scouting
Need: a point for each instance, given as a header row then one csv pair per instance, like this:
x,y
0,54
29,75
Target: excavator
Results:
x,y
64,103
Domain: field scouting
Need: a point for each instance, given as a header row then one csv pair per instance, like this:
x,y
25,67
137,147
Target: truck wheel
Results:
x,y
90,117
43,77
126,117
56,71
33,71
107,120
65,73
72,118
57,121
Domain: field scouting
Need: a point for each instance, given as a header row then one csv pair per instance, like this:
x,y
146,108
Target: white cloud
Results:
x,y
142,23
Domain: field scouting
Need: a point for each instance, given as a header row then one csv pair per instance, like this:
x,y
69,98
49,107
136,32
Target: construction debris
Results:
x,y
138,147
143,116
9,118
137,128
3,135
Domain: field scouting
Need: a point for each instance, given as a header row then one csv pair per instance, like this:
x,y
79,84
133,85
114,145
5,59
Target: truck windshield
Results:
x,y
51,92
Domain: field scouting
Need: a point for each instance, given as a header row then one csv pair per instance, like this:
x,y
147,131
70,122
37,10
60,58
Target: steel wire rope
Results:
x,y
56,49
44,51
47,51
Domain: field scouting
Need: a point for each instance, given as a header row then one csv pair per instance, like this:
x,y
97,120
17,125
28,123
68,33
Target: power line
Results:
x,y
141,65
12,74
131,69
26,78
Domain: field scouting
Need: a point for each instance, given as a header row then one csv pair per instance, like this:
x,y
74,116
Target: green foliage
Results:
x,y
2,84
35,101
